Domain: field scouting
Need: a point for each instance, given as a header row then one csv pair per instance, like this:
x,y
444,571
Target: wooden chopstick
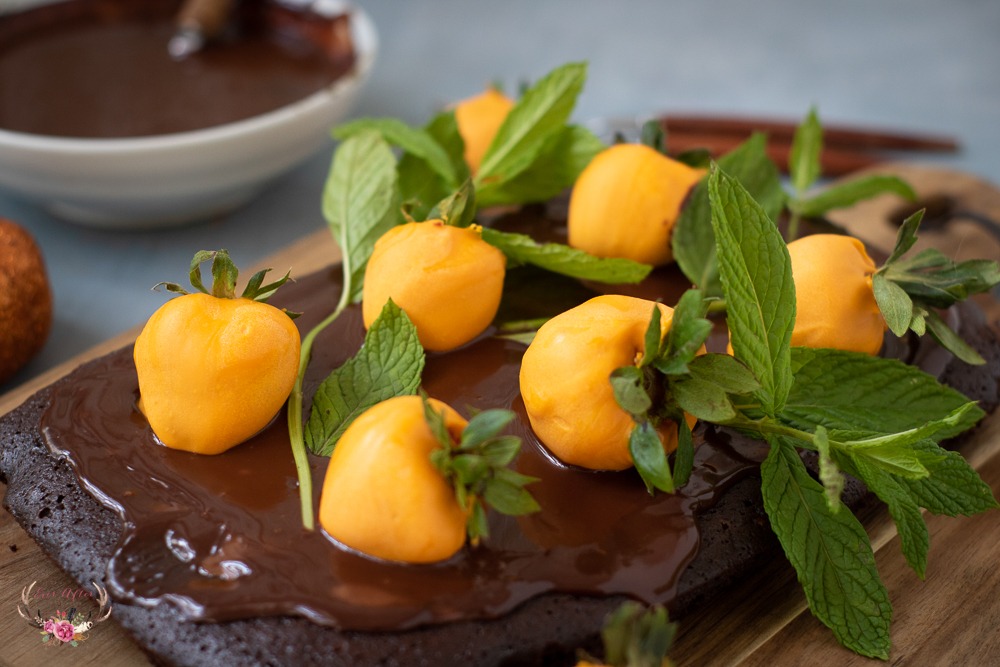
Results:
x,y
834,161
833,135
845,149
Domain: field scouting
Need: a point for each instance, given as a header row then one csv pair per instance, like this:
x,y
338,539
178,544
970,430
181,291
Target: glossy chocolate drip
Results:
x,y
220,536
100,68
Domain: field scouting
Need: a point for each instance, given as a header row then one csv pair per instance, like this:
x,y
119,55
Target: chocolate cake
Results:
x,y
207,562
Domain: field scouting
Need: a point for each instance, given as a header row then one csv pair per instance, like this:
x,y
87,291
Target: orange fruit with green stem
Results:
x,y
409,478
214,368
565,381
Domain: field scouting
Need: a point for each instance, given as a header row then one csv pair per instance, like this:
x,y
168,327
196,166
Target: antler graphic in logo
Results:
x,y
67,627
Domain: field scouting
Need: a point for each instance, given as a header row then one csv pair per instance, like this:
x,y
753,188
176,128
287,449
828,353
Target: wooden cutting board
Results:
x,y
950,618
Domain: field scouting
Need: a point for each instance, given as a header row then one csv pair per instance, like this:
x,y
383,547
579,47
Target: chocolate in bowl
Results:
x,y
101,69
154,143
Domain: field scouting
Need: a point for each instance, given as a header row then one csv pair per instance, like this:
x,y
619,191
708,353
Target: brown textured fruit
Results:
x,y
25,299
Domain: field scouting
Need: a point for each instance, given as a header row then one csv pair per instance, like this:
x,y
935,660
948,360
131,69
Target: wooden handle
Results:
x,y
207,17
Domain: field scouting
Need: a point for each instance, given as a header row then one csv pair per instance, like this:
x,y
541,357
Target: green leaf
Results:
x,y
541,112
688,331
756,276
849,193
510,499
951,341
807,145
906,237
653,135
484,426
457,209
358,202
389,364
693,239
953,487
652,339
420,186
850,391
829,474
649,458
684,456
412,140
635,636
555,168
705,400
830,552
727,372
629,391
564,260
894,302
913,536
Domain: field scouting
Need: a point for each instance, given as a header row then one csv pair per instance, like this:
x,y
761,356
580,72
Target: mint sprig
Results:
x,y
389,364
756,276
693,240
671,380
830,551
635,636
477,467
908,290
359,202
874,418
562,259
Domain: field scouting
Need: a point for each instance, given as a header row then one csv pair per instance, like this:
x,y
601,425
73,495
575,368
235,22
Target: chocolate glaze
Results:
x,y
220,537
100,68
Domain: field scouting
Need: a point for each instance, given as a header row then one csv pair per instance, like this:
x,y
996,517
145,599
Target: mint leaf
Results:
x,y
541,112
557,166
649,458
756,276
413,141
693,239
906,237
727,372
419,184
388,364
652,340
913,536
564,260
830,552
953,487
688,331
807,145
849,391
950,340
684,456
358,202
705,400
849,193
630,392
458,209
894,302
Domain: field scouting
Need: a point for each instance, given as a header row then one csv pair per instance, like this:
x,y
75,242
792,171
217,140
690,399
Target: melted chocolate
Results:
x,y
220,537
100,68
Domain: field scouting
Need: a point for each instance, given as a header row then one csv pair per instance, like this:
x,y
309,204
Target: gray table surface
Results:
x,y
919,65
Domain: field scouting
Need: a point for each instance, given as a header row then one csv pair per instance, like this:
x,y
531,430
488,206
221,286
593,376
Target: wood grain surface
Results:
x,y
951,618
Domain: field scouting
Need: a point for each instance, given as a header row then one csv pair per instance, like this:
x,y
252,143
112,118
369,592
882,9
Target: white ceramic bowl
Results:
x,y
159,181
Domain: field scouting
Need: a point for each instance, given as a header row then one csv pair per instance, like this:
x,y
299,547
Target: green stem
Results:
x,y
295,433
768,426
716,306
792,232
